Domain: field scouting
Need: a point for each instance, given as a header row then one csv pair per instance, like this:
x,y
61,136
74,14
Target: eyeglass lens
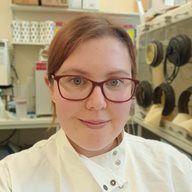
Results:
x,y
79,88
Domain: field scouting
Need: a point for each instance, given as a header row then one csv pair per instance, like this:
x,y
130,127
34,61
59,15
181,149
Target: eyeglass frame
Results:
x,y
94,84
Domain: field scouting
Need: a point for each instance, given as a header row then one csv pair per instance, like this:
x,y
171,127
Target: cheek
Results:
x,y
65,110
60,103
122,113
63,107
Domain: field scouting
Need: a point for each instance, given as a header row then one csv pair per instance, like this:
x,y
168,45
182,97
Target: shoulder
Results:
x,y
149,144
160,152
159,161
26,168
19,168
33,155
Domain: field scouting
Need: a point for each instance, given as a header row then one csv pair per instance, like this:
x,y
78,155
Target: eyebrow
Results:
x,y
73,70
119,72
84,73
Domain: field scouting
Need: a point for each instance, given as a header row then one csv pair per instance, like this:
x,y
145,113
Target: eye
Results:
x,y
114,82
74,82
77,80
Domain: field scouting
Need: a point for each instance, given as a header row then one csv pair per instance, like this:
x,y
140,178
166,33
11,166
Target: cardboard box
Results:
x,y
91,4
56,3
26,2
75,4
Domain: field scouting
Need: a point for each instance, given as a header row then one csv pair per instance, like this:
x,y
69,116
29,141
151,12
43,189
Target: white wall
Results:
x,y
5,19
124,6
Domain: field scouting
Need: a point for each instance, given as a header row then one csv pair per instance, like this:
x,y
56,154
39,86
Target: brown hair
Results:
x,y
80,30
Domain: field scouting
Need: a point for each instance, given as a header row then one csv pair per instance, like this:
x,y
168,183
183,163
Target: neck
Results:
x,y
89,153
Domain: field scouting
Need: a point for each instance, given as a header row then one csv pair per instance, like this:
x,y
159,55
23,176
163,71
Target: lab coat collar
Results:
x,y
74,168
106,171
109,169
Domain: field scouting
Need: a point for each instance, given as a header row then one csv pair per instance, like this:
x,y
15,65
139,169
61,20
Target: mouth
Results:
x,y
95,124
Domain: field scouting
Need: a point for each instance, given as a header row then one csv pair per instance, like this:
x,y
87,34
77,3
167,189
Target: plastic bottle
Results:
x,y
2,109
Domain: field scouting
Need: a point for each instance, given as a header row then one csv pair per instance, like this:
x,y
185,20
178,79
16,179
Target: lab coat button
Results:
x,y
105,187
114,153
113,182
121,187
117,162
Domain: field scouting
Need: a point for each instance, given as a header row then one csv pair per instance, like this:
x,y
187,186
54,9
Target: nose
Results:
x,y
96,101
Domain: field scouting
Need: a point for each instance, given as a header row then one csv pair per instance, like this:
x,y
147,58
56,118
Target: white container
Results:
x,y
2,109
5,69
49,31
25,32
16,31
34,32
91,4
42,95
42,36
21,108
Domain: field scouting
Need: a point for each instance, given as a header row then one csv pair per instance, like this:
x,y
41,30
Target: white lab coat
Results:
x,y
136,165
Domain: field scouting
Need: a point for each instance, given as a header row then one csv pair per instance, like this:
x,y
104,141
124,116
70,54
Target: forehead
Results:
x,y
99,56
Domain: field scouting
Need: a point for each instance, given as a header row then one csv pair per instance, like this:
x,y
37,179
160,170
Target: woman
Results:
x,y
91,78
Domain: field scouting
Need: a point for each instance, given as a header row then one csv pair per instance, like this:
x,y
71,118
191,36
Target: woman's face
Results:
x,y
92,125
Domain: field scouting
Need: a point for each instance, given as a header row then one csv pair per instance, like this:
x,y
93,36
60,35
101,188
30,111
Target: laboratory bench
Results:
x,y
161,134
18,134
27,123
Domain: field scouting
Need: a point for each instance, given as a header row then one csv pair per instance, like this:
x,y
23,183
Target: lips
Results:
x,y
94,124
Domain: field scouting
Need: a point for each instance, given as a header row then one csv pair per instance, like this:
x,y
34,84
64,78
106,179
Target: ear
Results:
x,y
46,80
50,86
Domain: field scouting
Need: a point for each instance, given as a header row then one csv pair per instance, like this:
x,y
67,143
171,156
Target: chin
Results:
x,y
95,149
